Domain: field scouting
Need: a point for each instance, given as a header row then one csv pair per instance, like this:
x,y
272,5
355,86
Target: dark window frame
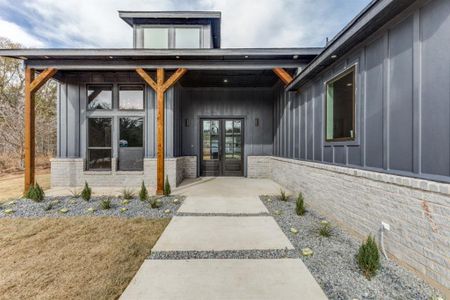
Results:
x,y
110,148
103,85
351,69
131,85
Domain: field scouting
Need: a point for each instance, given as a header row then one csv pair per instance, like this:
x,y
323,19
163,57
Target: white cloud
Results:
x,y
17,34
245,23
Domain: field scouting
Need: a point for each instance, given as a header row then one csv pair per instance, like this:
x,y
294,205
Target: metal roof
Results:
x,y
212,18
369,20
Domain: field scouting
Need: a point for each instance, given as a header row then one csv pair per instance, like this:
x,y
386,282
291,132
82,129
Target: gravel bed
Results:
x,y
78,207
227,254
333,262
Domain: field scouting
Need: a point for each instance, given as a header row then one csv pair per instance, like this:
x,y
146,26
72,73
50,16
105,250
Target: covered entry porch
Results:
x,y
127,116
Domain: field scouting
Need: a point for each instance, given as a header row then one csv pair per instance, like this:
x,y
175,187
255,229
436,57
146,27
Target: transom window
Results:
x,y
131,97
99,97
340,107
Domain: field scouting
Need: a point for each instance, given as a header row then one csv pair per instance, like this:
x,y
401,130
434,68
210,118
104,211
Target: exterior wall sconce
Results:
x,y
256,122
187,122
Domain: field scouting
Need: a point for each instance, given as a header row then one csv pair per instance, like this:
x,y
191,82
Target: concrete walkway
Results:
x,y
232,219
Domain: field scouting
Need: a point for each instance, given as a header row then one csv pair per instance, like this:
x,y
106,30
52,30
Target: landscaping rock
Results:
x,y
9,211
125,202
64,210
307,252
91,209
167,211
294,230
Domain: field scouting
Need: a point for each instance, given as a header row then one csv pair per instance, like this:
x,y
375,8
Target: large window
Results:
x,y
187,38
99,97
340,107
99,143
156,38
131,97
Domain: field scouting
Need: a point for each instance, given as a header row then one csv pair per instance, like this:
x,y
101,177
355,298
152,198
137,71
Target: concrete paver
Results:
x,y
223,205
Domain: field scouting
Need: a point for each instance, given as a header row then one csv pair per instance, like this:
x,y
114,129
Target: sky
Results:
x,y
245,23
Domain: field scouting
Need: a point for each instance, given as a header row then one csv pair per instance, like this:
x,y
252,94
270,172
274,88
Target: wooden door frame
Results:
x,y
221,119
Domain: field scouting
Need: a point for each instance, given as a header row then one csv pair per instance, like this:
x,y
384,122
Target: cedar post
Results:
x,y
160,87
31,86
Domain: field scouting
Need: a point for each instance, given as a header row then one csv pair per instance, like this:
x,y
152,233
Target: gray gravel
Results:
x,y
227,254
79,207
333,263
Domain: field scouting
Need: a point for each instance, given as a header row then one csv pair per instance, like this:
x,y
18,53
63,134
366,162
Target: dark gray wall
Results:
x,y
402,101
248,103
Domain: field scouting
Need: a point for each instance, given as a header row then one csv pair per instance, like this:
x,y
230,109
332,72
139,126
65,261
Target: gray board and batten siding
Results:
x,y
402,101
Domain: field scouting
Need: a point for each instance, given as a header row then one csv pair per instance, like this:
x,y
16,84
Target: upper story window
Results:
x,y
340,107
157,38
187,38
170,37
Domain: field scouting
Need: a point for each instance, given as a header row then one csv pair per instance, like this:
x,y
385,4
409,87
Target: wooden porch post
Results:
x,y
31,86
160,87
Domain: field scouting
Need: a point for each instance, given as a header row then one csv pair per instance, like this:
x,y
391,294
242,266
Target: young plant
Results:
x,y
86,192
300,205
368,257
35,193
127,194
283,196
325,229
155,202
143,193
75,193
105,204
167,190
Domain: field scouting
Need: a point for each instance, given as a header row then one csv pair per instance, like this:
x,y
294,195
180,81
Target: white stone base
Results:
x,y
70,172
418,211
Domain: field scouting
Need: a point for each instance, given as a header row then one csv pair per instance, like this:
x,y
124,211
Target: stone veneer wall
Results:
x,y
417,210
69,172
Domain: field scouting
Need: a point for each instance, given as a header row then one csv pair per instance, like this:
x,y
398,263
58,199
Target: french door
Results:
x,y
221,147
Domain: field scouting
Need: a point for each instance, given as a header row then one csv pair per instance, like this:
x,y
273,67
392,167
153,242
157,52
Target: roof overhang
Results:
x,y
123,59
212,18
367,22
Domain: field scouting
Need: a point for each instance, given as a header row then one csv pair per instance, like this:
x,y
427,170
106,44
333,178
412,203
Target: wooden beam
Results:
x,y
160,131
29,129
147,78
174,78
160,87
283,75
42,79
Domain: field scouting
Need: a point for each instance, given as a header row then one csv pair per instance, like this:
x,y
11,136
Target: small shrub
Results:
x,y
35,193
155,202
75,193
167,190
283,196
86,192
325,229
143,193
127,194
300,205
48,206
368,258
105,204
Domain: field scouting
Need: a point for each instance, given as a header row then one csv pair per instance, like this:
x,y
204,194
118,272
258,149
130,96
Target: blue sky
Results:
x,y
245,23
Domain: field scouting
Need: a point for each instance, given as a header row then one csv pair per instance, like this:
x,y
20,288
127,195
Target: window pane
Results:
x,y
131,132
340,108
187,38
131,97
99,159
156,38
99,97
99,132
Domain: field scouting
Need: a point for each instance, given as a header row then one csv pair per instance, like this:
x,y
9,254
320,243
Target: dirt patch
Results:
x,y
73,258
11,185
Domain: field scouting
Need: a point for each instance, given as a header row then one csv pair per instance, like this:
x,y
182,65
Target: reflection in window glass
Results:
x,y
187,38
156,38
99,97
99,144
340,107
131,97
131,145
211,139
233,139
